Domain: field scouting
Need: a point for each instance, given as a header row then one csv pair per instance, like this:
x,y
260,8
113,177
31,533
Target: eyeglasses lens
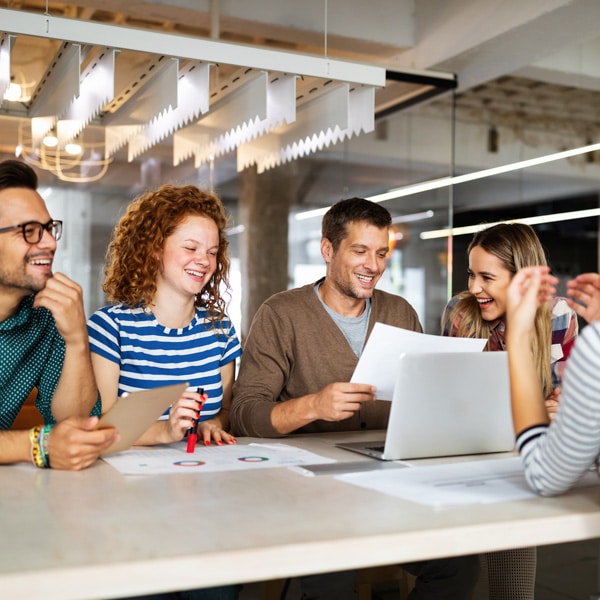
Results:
x,y
33,232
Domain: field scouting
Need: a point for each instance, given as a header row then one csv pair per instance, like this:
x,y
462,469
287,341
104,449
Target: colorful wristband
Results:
x,y
44,444
37,457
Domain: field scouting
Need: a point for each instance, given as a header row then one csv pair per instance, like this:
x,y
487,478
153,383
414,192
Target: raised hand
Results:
x,y
584,296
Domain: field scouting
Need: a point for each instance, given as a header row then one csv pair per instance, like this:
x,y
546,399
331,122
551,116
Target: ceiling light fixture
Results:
x,y
80,161
257,104
178,45
73,148
334,115
13,93
50,140
538,220
435,184
69,97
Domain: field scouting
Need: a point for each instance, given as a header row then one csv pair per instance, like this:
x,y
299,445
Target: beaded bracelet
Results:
x,y
44,444
37,457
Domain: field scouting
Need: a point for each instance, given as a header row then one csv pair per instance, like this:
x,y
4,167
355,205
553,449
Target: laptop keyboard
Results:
x,y
376,448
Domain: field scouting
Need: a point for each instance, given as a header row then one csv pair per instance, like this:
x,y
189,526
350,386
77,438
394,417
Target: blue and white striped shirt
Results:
x,y
151,355
556,456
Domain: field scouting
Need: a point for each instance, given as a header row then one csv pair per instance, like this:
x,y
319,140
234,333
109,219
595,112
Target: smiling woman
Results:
x,y
167,266
495,255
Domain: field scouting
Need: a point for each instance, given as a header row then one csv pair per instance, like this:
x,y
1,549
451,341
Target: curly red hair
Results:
x,y
134,256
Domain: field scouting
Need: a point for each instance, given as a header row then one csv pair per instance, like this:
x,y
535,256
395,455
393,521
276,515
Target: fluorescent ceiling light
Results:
x,y
553,218
420,216
434,184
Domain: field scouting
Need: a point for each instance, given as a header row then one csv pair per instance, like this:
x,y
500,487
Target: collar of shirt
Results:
x,y
20,317
497,339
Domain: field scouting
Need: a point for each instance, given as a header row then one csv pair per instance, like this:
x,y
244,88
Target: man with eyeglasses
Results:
x,y
43,337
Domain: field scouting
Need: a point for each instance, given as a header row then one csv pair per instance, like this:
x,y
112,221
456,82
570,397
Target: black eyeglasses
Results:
x,y
33,231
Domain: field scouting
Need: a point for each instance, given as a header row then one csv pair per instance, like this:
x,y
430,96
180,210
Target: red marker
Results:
x,y
193,430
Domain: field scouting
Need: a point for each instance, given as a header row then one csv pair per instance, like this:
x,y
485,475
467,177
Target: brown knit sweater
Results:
x,y
294,348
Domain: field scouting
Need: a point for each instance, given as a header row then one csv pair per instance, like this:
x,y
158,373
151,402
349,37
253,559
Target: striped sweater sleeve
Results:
x,y
556,456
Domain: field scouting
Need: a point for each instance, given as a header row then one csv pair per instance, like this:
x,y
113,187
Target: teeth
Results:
x,y
195,273
364,278
40,262
484,301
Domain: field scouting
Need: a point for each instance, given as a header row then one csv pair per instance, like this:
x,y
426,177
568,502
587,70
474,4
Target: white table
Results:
x,y
97,533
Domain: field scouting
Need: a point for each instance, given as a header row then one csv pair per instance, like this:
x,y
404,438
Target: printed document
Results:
x,y
378,362
206,459
460,483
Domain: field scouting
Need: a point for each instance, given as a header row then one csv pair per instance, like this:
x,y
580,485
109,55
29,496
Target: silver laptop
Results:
x,y
446,404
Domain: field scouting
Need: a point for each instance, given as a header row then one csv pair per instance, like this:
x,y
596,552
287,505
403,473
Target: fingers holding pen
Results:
x,y
184,414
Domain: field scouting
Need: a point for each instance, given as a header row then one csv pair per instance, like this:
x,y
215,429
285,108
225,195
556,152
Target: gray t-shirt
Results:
x,y
353,328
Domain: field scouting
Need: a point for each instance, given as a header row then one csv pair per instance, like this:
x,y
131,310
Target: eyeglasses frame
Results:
x,y
49,226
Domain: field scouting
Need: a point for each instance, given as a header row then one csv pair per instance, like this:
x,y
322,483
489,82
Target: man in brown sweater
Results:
x,y
300,354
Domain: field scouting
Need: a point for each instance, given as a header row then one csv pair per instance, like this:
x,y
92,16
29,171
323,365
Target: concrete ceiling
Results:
x,y
527,72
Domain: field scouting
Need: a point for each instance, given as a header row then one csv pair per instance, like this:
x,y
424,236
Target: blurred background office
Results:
x,y
466,86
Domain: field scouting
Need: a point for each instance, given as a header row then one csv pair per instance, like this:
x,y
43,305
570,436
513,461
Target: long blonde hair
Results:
x,y
516,245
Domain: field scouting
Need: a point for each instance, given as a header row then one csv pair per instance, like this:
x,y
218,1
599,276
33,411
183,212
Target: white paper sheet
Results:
x,y
378,362
470,482
206,459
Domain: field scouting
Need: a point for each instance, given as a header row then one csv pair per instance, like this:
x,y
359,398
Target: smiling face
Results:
x,y
488,282
356,266
189,257
24,268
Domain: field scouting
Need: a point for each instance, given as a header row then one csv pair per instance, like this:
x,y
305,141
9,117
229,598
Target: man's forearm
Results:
x,y
76,392
293,414
14,447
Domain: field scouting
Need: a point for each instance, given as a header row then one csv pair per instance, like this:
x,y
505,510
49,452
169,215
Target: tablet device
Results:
x,y
134,412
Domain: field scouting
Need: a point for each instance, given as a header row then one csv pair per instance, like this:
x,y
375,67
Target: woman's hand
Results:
x,y
212,430
552,402
528,290
584,296
182,415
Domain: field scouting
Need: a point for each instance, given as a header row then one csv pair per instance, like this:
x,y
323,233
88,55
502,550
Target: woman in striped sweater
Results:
x,y
495,254
167,273
555,455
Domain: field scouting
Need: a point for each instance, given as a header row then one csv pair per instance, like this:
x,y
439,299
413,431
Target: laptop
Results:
x,y
134,412
446,404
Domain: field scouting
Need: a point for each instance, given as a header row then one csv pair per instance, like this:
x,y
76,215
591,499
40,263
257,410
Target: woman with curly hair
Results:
x,y
167,267
495,255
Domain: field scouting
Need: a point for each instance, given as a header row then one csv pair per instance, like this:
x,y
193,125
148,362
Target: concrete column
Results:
x,y
264,206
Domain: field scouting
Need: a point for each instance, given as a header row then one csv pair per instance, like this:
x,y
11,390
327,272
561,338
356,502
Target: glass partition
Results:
x,y
422,143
